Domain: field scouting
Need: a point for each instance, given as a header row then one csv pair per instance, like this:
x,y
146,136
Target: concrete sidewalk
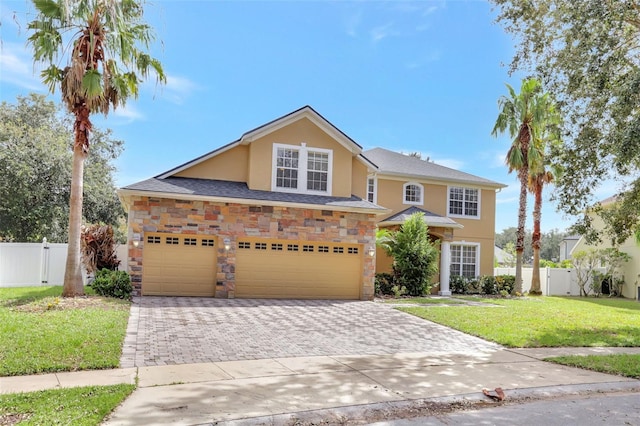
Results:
x,y
232,390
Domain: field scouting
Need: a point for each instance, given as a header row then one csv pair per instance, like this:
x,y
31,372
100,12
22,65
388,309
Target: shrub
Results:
x,y
398,291
458,284
384,283
415,257
464,285
488,284
506,283
115,284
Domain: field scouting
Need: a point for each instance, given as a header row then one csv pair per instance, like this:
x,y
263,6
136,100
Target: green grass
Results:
x,y
619,364
76,406
40,332
544,321
425,301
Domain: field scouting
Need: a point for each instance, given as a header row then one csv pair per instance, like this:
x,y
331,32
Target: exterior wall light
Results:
x,y
136,240
372,252
136,243
227,244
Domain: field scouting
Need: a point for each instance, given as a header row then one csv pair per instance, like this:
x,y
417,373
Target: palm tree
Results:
x,y
522,115
536,183
101,43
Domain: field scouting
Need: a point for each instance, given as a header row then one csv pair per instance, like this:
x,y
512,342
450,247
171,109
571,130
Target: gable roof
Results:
x,y
397,164
263,130
229,192
431,219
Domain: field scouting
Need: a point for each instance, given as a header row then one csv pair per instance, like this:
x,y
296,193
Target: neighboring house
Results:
x,y
566,246
290,210
503,259
631,269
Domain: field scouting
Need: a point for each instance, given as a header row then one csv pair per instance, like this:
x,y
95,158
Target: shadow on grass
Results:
x,y
18,296
613,302
622,336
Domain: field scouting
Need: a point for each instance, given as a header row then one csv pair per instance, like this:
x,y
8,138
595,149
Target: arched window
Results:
x,y
412,193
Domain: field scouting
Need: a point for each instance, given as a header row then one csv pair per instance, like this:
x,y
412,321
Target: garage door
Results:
x,y
286,269
179,265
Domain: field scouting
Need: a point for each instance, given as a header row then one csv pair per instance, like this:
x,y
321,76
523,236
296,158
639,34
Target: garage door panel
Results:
x,y
187,268
314,271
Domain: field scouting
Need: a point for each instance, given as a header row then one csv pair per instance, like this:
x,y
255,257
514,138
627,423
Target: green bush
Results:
x,y
116,284
415,256
458,284
464,285
488,284
505,283
384,284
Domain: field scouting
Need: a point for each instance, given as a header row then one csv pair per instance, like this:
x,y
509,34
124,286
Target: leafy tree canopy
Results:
x,y
549,248
586,54
36,137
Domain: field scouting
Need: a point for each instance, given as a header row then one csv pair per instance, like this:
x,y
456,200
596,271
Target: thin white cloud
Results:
x,y
17,68
178,89
129,113
451,163
352,23
381,32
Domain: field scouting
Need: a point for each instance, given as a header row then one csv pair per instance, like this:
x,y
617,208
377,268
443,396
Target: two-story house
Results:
x,y
290,210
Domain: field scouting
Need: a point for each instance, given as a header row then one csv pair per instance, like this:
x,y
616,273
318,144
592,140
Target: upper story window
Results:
x,y
371,190
412,193
464,202
301,169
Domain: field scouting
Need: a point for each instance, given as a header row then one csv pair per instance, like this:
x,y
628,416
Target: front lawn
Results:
x,y
621,364
425,301
544,321
73,406
41,332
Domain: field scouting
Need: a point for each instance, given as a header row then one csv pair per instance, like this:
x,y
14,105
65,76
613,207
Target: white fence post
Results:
x,y
44,262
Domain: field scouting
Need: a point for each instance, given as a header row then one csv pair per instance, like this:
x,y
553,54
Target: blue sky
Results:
x,y
408,76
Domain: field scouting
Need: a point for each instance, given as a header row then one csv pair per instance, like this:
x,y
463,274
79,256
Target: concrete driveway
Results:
x,y
186,330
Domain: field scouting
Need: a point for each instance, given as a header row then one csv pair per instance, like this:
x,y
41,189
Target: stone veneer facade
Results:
x,y
231,220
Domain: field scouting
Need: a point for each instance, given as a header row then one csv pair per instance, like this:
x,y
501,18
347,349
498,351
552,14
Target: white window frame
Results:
x,y
303,154
375,189
404,194
464,190
463,244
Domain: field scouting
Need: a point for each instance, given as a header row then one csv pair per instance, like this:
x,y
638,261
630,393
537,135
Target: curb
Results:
x,y
358,413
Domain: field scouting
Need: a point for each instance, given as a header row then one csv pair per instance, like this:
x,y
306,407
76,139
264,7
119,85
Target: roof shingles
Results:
x,y
401,164
240,190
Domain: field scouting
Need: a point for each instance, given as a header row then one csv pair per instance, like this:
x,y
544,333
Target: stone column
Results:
x,y
444,269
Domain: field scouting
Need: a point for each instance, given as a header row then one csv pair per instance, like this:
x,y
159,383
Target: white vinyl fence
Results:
x,y
38,264
553,281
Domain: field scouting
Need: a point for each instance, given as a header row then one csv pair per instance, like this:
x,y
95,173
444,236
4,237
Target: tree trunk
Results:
x,y
535,241
522,216
73,285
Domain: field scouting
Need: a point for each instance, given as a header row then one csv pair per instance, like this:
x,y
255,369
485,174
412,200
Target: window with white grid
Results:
x,y
412,193
317,171
301,169
464,260
287,168
464,202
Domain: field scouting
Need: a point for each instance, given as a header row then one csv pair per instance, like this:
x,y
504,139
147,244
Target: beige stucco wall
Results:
x,y
240,220
358,178
631,269
481,231
301,131
229,165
